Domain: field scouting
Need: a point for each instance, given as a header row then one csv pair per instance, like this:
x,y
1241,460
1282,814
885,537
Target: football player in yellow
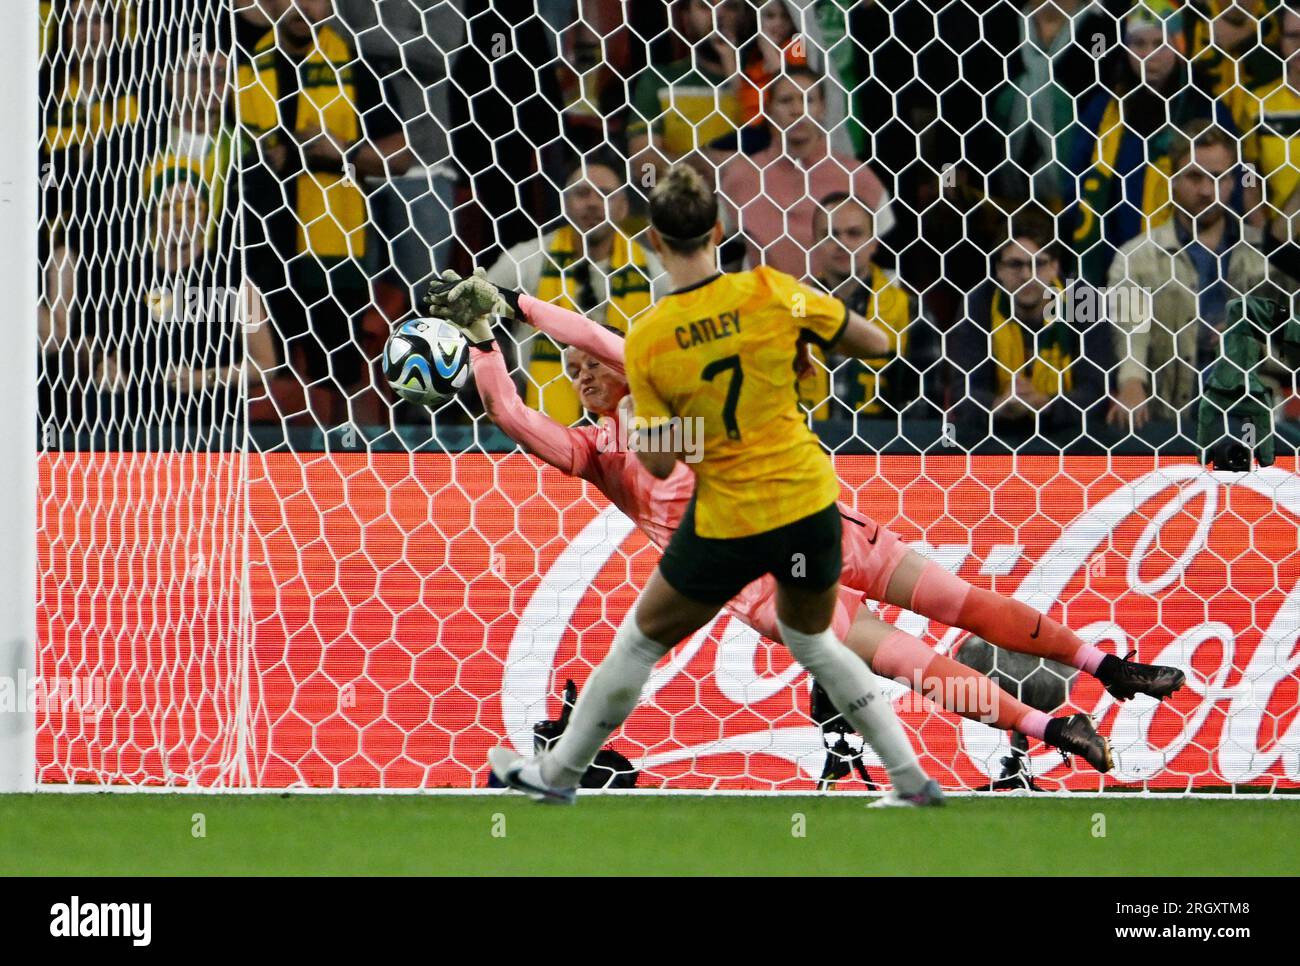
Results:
x,y
712,370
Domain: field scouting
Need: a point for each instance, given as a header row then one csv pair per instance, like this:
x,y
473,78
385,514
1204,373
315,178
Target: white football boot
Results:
x,y
525,775
930,795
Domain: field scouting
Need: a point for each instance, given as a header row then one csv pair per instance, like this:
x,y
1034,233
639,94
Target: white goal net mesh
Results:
x,y
258,568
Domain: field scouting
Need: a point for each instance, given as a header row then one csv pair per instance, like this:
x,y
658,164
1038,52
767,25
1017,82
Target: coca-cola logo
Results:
x,y
1245,695
1198,570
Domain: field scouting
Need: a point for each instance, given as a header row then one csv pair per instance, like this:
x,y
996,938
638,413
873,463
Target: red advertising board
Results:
x,y
402,613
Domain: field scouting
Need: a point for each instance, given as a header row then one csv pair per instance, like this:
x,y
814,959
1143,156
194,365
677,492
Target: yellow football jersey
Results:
x,y
722,354
1270,119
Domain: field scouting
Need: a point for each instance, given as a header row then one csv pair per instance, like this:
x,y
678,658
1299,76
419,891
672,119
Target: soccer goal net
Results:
x,y
258,568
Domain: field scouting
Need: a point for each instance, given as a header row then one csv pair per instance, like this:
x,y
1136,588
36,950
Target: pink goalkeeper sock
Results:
x,y
954,686
1034,723
1001,621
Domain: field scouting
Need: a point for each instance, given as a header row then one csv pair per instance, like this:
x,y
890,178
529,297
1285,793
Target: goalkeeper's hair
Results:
x,y
683,210
566,346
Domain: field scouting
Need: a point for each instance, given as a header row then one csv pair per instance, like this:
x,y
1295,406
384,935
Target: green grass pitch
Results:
x,y
107,834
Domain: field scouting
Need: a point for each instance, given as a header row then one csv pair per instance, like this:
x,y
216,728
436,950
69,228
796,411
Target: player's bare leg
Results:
x,y
663,614
925,588
804,618
896,654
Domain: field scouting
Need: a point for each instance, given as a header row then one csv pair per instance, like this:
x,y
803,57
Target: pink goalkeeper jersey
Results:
x,y
597,455
655,506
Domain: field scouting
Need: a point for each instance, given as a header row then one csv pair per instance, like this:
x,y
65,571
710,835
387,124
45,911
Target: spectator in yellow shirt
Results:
x,y
90,108
678,108
319,123
201,144
1270,118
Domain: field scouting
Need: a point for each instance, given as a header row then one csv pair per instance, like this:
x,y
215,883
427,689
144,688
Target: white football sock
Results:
x,y
608,697
855,692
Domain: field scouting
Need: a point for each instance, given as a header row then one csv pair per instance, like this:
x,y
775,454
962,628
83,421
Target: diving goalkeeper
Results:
x,y
877,564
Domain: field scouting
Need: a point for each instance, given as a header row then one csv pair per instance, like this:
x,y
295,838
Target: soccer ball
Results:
x,y
426,361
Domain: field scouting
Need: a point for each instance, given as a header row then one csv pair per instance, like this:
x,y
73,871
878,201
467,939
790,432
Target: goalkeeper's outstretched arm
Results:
x,y
533,430
574,329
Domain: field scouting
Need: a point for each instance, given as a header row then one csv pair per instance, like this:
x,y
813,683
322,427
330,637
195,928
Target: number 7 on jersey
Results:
x,y
717,366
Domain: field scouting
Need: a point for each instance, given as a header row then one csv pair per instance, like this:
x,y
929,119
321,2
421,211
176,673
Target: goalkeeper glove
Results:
x,y
469,303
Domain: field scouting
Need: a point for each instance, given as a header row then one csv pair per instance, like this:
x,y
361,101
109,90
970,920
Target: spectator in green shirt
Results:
x,y
680,107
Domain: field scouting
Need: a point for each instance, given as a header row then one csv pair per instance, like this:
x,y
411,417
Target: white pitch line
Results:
x,y
659,793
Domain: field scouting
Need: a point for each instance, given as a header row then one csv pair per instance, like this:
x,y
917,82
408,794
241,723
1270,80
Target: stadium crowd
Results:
x,y
1050,204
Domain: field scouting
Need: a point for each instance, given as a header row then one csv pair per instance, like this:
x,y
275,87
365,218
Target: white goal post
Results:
x,y
18,181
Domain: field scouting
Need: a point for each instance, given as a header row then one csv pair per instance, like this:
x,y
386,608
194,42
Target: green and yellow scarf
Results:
x,y
1117,149
1229,76
330,209
78,122
1012,343
886,305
